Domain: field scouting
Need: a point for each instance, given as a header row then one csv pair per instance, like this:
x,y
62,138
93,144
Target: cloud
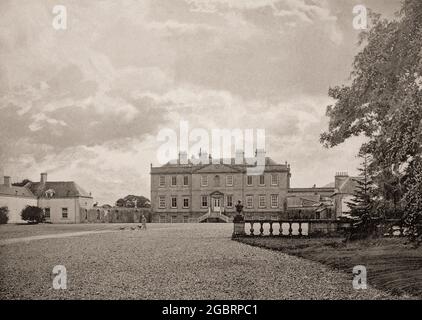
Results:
x,y
86,104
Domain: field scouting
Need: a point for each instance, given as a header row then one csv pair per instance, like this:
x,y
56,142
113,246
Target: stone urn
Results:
x,y
239,221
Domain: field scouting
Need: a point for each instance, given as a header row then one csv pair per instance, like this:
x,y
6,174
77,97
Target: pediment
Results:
x,y
216,194
217,168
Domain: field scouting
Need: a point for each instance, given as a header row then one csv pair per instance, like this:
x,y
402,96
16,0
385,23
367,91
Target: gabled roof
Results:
x,y
61,189
16,191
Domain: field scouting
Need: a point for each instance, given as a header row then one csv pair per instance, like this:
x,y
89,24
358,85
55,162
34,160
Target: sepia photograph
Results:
x,y
211,155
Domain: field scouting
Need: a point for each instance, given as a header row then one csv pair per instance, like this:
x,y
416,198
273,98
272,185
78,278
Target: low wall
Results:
x,y
115,215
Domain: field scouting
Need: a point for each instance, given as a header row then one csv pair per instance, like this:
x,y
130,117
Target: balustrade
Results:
x,y
269,228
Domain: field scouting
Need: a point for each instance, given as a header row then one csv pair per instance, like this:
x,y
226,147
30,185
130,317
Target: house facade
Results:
x,y
62,201
184,191
210,191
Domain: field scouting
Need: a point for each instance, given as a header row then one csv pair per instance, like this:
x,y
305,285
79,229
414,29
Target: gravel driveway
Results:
x,y
179,261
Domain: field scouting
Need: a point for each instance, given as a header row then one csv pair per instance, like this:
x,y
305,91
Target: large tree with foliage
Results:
x,y
384,103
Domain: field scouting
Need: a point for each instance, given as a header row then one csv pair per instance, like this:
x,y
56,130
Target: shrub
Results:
x,y
4,215
32,214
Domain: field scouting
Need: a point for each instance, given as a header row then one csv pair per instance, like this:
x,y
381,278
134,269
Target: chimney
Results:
x,y
183,157
43,177
260,152
260,157
7,181
239,157
340,178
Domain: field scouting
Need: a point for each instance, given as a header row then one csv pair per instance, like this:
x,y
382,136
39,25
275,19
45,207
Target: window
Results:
x,y
162,181
249,201
173,180
185,180
229,180
249,180
174,202
204,181
274,200
47,213
204,201
317,215
261,201
262,180
185,202
217,181
64,213
162,202
274,179
229,201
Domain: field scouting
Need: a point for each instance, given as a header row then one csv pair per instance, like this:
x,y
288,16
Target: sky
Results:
x,y
86,103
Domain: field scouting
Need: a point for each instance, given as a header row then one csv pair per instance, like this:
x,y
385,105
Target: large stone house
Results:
x,y
184,191
209,191
62,201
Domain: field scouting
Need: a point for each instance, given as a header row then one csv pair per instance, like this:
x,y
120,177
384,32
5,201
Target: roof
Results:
x,y
222,165
311,190
349,185
61,189
16,191
309,201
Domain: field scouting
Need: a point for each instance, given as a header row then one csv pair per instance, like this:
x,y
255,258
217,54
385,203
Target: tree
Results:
x,y
120,203
362,203
132,201
4,215
384,103
32,214
413,200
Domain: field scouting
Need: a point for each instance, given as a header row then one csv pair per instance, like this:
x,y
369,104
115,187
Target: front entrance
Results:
x,y
216,204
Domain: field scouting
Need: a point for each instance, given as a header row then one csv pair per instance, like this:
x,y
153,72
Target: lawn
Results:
x,y
9,231
392,265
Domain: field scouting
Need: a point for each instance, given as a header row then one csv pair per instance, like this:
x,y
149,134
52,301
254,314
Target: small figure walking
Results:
x,y
144,222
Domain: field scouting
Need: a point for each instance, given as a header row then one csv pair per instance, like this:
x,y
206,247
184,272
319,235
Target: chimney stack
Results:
x,y
7,181
43,177
183,157
239,157
340,178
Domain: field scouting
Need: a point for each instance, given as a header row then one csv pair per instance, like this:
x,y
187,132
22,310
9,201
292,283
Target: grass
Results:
x,y
9,231
392,265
